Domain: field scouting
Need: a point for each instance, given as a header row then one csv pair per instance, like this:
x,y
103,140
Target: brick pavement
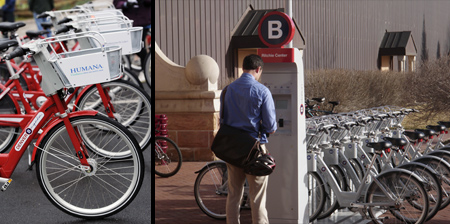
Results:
x,y
175,202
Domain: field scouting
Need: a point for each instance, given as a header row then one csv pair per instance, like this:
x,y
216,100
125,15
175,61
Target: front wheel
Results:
x,y
168,157
211,189
132,107
111,184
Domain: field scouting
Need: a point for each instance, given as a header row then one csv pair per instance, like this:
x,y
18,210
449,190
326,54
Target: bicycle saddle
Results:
x,y
320,99
335,103
396,141
47,25
414,135
7,43
379,145
427,132
437,128
33,34
445,123
9,26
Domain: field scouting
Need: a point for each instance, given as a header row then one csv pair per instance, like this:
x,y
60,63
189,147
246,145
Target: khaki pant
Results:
x,y
257,194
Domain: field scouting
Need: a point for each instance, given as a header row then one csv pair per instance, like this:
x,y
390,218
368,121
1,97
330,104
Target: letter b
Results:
x,y
275,27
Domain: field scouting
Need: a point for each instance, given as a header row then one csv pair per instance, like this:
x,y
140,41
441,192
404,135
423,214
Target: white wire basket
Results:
x,y
78,68
89,66
130,40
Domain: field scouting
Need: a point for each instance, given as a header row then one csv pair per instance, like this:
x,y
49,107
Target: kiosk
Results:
x,y
287,193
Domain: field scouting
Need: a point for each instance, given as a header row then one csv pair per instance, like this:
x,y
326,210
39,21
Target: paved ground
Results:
x,y
175,203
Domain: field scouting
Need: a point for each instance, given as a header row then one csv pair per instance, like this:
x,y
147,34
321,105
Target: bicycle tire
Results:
x,y
432,185
131,103
316,188
168,157
442,168
211,189
5,75
148,69
356,165
331,203
8,134
108,188
400,184
130,76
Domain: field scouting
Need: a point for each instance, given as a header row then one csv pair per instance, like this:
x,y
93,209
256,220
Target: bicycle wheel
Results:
x,y
148,69
132,107
431,183
442,168
168,157
8,134
331,203
112,183
211,190
130,76
316,195
399,197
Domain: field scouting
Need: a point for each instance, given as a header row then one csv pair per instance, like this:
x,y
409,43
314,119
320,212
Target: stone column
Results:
x,y
190,99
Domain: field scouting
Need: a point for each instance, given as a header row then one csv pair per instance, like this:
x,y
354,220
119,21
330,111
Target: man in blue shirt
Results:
x,y
248,105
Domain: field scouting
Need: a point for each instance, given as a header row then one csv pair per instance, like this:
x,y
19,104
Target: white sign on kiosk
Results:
x,y
287,193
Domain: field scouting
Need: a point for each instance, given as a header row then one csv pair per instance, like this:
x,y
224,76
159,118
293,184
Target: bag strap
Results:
x,y
222,103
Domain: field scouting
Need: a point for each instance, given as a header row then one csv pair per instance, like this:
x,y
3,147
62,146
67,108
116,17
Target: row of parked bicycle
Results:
x,y
65,103
367,162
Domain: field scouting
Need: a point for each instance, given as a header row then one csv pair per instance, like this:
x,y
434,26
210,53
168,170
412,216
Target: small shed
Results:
x,y
397,50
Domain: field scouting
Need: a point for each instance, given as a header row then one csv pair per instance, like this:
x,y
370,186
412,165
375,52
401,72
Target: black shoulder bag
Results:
x,y
234,145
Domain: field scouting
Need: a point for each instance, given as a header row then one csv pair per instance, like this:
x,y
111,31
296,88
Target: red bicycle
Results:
x,y
78,155
119,100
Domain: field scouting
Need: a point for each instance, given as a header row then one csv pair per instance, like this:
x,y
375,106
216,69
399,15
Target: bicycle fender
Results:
x,y
208,164
81,94
395,170
54,123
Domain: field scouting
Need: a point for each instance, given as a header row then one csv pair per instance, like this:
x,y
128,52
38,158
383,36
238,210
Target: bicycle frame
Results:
x,y
40,122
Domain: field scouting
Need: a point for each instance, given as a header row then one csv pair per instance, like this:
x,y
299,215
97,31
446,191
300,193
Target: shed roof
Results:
x,y
398,43
245,33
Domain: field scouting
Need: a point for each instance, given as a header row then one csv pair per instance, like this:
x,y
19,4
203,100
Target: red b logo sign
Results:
x,y
276,29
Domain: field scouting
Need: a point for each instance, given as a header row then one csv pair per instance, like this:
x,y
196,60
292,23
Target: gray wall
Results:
x,y
339,33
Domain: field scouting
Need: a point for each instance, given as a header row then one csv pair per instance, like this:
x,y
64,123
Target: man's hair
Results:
x,y
252,62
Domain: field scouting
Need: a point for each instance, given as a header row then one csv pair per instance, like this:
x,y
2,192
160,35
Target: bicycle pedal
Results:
x,y
6,182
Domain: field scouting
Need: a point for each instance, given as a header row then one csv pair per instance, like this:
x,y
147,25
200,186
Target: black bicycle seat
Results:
x,y
320,99
47,25
335,103
414,135
437,128
7,43
397,141
379,145
33,34
9,26
445,123
427,132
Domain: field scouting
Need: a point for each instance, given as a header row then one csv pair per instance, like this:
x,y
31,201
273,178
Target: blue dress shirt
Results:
x,y
247,102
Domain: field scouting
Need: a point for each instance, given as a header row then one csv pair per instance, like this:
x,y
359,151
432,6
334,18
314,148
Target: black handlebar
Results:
x,y
15,53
